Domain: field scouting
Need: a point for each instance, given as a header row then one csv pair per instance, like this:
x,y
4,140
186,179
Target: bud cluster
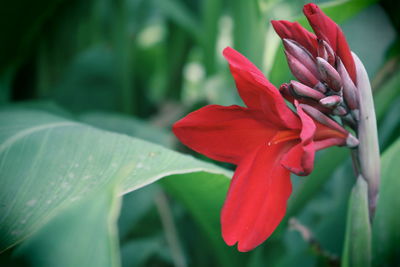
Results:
x,y
324,87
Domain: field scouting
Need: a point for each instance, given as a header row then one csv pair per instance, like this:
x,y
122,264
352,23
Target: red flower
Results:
x,y
265,139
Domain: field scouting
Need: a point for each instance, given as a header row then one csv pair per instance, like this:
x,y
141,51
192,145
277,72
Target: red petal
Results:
x,y
325,143
300,158
324,133
258,93
326,29
256,200
294,31
224,133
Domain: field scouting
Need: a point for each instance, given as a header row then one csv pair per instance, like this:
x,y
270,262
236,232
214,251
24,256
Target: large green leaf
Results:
x,y
127,125
49,163
357,247
88,236
202,194
386,231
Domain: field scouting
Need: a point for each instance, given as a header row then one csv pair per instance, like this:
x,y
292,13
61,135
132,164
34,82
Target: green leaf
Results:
x,y
127,125
249,30
203,196
211,11
385,95
85,235
386,231
90,81
390,125
21,22
202,193
147,247
48,163
181,15
357,247
325,165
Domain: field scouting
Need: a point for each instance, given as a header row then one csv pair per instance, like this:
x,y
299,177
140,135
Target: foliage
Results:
x,y
90,173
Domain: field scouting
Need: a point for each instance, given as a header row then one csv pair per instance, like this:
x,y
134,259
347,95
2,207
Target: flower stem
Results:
x,y
368,149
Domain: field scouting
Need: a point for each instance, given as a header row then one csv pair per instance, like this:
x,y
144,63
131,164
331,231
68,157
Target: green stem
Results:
x,y
368,150
170,230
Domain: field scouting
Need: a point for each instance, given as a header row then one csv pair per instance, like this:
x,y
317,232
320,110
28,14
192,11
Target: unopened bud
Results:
x,y
321,87
321,52
302,55
323,119
352,141
326,52
331,101
305,91
300,71
286,92
349,89
339,111
329,74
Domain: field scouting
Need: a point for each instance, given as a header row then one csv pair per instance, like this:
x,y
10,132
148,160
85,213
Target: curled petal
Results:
x,y
326,137
325,143
294,31
300,158
256,200
327,30
224,133
257,92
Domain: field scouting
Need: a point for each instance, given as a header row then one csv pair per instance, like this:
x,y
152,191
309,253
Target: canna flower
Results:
x,y
266,139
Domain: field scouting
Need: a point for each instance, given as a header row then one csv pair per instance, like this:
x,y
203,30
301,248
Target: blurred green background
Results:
x,y
135,67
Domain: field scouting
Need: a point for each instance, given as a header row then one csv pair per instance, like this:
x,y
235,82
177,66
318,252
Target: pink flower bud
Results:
x,y
321,87
302,55
286,92
300,71
349,89
323,119
330,101
305,91
329,74
339,111
326,52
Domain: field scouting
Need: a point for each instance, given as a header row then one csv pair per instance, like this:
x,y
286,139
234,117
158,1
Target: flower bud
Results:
x,y
302,55
323,119
286,92
339,111
321,87
330,101
300,71
326,52
352,141
329,74
305,91
349,89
